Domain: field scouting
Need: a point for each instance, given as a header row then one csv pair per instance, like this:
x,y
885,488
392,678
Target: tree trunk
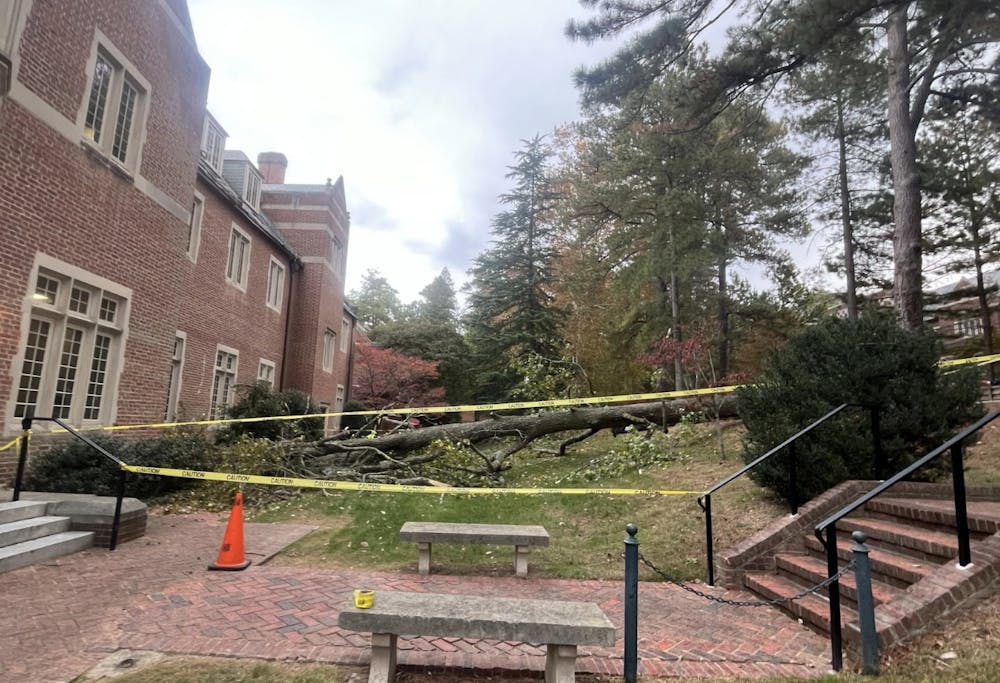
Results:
x,y
723,318
845,215
907,294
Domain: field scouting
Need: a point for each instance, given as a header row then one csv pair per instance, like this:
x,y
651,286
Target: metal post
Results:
x,y
961,510
836,637
709,550
22,458
866,605
793,479
631,603
880,466
118,510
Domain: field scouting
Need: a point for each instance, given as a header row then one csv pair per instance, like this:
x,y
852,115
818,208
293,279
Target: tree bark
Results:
x,y
907,280
337,452
845,215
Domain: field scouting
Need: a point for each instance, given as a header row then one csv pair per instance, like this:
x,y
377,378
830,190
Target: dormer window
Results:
x,y
213,143
252,194
243,177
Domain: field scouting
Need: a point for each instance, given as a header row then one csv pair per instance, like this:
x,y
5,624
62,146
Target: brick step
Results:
x,y
42,549
983,518
812,609
887,566
27,529
14,510
811,570
905,538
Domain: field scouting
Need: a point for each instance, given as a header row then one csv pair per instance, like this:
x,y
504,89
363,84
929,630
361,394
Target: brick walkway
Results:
x,y
61,618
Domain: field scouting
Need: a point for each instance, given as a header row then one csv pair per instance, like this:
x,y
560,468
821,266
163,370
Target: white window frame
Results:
x,y
103,132
220,370
275,292
194,226
251,187
265,371
213,143
345,334
176,375
238,280
329,344
76,373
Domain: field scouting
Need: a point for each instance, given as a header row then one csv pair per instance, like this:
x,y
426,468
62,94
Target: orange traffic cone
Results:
x,y
231,556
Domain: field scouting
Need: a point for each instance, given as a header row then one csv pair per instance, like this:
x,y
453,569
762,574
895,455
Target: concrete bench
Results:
x,y
561,626
520,536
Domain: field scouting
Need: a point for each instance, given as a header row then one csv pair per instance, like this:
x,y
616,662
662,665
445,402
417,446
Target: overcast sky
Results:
x,y
419,104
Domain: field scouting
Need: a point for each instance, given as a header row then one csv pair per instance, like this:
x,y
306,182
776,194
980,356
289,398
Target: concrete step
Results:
x,y
27,529
983,517
812,609
14,510
905,538
810,570
888,567
42,549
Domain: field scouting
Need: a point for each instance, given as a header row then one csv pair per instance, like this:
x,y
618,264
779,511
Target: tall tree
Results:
x,y
926,41
376,302
510,299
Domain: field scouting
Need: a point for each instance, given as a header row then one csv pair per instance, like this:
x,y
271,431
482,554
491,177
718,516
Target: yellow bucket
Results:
x,y
363,599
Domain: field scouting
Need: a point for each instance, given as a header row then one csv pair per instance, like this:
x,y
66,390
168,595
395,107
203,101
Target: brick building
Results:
x,y
147,269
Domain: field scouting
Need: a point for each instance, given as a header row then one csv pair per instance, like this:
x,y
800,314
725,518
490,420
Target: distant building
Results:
x,y
148,271
954,312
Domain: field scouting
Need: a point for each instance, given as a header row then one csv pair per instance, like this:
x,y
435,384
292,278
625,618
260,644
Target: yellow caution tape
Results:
x,y
10,444
977,360
297,482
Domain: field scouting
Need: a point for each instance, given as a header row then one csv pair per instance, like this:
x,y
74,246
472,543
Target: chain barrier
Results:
x,y
749,603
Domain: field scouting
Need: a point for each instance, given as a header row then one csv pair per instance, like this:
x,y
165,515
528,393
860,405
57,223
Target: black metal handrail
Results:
x,y
705,499
23,459
829,525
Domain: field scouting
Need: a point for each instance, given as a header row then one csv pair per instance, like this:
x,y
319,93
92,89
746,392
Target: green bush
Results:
x,y
873,361
260,400
75,467
356,422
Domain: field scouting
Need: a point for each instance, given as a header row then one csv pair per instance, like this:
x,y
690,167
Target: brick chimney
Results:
x,y
272,166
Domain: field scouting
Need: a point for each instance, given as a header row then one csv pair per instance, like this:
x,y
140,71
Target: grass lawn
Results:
x,y
361,529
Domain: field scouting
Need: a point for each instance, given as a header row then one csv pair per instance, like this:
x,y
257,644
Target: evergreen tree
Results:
x,y
926,41
511,309
376,302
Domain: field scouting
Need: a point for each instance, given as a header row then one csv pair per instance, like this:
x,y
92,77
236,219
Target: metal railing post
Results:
x,y
836,636
961,508
706,505
880,464
22,457
793,477
866,605
120,493
631,663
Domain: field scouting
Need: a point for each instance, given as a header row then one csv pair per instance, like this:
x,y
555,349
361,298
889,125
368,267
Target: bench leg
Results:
x,y
560,664
424,558
383,666
521,560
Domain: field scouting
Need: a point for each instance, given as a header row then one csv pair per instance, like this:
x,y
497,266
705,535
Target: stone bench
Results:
x,y
561,626
520,536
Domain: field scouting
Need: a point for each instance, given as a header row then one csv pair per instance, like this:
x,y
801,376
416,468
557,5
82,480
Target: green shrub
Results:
x,y
260,400
872,360
356,422
75,467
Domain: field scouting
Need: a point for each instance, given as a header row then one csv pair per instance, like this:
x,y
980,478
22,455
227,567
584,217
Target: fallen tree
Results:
x,y
397,456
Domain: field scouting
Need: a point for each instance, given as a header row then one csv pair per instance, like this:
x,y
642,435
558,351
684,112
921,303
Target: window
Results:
x,y
176,370
114,109
275,284
265,372
194,226
345,334
213,143
329,342
72,347
253,188
226,363
970,327
337,257
238,262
